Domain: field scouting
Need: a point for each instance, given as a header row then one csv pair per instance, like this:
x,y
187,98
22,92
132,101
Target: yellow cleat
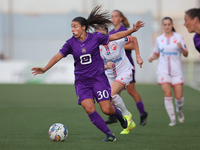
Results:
x,y
128,117
130,127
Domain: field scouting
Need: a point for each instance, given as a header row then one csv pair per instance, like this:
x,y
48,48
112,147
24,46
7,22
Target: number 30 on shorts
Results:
x,y
103,94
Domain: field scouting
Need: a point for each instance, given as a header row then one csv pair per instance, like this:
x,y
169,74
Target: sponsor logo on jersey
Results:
x,y
168,53
117,60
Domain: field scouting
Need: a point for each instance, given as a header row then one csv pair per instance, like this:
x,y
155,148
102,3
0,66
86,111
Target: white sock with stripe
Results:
x,y
169,106
119,103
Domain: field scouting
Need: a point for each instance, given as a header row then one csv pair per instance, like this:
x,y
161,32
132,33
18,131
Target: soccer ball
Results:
x,y
58,132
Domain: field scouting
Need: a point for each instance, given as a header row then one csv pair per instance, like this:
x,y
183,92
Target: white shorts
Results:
x,y
124,78
173,80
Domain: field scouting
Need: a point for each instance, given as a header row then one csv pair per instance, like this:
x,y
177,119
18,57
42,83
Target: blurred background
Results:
x,y
32,31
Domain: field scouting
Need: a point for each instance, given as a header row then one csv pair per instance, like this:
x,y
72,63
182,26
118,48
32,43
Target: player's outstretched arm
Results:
x,y
53,61
133,45
122,34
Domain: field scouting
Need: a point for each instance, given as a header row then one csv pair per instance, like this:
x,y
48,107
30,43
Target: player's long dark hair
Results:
x,y
165,18
96,17
194,12
124,19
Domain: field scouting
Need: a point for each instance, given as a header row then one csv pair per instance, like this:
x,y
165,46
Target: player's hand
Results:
x,y
138,25
150,59
109,65
179,45
139,61
37,70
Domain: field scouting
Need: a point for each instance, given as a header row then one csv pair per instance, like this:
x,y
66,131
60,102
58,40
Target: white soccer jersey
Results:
x,y
114,52
170,54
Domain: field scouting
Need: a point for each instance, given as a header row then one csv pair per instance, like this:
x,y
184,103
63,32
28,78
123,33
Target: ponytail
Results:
x,y
173,29
194,12
124,19
95,18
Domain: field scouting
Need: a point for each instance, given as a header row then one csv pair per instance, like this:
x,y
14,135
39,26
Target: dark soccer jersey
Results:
x,y
128,52
196,40
87,60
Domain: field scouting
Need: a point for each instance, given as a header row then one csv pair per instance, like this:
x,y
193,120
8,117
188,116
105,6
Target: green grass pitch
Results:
x,y
27,111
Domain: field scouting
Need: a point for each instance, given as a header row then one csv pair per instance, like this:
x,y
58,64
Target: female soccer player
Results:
x,y
90,79
118,70
169,47
192,23
121,23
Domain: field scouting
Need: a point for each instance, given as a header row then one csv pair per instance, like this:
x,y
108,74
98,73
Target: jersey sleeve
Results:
x,y
125,40
156,48
66,49
183,43
102,38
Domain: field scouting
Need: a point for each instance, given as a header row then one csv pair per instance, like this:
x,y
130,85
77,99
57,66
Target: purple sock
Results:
x,y
140,107
119,115
98,121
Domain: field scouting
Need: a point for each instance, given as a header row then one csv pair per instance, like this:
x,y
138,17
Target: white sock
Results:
x,y
179,104
170,108
117,100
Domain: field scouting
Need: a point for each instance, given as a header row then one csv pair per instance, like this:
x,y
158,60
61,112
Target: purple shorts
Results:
x,y
133,74
97,87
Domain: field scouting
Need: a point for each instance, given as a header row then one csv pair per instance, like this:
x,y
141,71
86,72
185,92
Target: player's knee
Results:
x,y
179,96
167,93
106,111
89,109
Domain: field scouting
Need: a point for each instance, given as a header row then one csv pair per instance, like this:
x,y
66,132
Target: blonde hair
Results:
x,y
124,19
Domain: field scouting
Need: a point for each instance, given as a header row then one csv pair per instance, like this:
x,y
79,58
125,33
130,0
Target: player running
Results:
x,y
192,23
118,70
90,79
169,47
121,23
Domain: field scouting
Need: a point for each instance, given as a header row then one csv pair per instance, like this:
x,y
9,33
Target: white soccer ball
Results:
x,y
58,132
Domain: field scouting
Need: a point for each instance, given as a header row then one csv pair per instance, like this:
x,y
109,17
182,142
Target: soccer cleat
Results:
x,y
109,138
173,123
126,123
111,119
128,117
181,117
143,119
130,127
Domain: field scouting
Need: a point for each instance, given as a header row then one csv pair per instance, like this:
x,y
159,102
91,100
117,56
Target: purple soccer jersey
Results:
x,y
90,79
128,52
87,60
196,40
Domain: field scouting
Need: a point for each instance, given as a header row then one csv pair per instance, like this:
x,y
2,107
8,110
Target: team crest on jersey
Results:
x,y
175,40
114,47
161,40
83,50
